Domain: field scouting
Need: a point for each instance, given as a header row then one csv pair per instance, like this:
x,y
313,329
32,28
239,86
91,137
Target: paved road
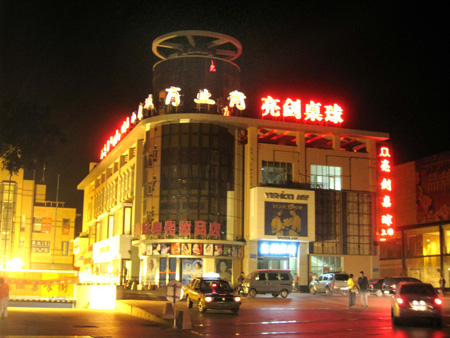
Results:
x,y
299,315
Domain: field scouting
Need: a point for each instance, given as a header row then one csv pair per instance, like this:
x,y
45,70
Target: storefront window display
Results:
x,y
324,264
446,233
427,269
191,268
422,242
223,268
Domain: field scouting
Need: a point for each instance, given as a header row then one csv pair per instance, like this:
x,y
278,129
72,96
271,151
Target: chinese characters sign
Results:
x,y
386,220
183,228
312,111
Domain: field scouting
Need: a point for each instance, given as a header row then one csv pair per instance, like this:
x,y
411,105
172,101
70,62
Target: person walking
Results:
x,y
363,285
351,291
240,281
442,284
4,298
296,283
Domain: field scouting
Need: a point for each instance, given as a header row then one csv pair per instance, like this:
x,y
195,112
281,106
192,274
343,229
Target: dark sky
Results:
x,y
384,62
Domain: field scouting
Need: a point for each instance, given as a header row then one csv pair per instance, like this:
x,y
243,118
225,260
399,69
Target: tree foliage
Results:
x,y
27,135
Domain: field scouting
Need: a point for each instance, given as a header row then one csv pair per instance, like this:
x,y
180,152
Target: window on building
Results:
x,y
64,248
127,221
326,177
110,226
276,172
324,264
66,226
37,224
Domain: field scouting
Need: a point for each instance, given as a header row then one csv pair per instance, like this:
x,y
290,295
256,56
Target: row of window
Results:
x,y
322,177
115,192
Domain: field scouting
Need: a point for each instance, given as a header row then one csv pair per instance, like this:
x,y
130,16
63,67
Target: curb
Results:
x,y
133,310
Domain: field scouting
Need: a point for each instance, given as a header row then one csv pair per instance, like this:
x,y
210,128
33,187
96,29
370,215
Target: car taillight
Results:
x,y
334,284
438,301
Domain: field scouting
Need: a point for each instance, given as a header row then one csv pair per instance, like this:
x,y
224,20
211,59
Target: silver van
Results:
x,y
276,282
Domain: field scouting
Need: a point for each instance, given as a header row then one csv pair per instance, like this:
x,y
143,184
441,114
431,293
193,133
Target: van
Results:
x,y
276,282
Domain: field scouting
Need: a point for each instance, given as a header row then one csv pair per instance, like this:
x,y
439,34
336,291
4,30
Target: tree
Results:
x,y
27,135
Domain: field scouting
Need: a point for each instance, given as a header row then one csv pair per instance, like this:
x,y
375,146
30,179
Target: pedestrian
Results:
x,y
296,283
240,281
442,284
4,298
363,284
351,291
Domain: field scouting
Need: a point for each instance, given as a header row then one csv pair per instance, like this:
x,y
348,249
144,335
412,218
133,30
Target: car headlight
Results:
x,y
237,299
208,299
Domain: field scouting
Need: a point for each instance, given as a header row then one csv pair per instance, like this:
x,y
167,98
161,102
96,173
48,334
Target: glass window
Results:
x,y
325,177
422,242
276,172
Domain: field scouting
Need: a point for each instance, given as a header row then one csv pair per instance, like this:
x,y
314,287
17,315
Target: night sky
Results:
x,y
384,62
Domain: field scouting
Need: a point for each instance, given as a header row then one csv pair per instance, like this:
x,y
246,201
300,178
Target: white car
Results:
x,y
329,283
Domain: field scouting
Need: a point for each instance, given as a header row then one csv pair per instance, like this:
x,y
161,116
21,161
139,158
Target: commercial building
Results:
x,y
35,233
421,246
194,183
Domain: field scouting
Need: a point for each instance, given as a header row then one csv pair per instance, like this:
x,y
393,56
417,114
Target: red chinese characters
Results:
x,y
386,219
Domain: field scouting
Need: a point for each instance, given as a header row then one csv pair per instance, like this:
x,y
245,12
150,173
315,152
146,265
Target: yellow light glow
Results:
x,y
15,264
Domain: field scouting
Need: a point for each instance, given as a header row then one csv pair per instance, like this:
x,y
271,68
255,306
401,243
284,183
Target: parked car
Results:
x,y
276,282
211,293
390,284
375,286
413,300
329,283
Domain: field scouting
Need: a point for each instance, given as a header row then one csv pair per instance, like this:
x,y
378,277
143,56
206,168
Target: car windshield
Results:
x,y
417,289
341,277
215,286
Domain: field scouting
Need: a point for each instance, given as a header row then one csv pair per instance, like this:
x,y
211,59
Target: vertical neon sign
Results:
x,y
385,186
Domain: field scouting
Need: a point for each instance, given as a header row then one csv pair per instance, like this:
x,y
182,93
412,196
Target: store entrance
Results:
x,y
274,263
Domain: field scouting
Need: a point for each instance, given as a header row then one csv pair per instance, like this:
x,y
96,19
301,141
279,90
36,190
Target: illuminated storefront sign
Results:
x,y
313,112
126,126
170,228
385,221
277,249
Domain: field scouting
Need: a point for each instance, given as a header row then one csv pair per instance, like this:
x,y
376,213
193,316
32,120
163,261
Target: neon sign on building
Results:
x,y
312,112
386,219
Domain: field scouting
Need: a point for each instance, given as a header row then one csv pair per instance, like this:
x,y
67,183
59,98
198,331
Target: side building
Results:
x,y
36,233
190,185
421,246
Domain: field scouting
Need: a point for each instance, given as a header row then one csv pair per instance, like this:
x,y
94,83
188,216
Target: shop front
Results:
x,y
183,260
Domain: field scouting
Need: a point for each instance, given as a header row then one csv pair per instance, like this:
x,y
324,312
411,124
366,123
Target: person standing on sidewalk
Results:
x,y
296,283
4,298
442,284
351,291
363,284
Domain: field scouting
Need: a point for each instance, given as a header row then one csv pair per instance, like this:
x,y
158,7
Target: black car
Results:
x,y
375,286
390,284
414,301
211,293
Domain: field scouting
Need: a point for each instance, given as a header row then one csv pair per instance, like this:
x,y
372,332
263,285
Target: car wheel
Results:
x,y
284,293
379,293
345,292
438,322
252,293
188,302
200,306
328,291
235,310
395,320
275,294
312,290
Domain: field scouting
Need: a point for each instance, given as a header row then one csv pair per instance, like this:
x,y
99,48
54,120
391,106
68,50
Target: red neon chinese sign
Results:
x,y
313,111
386,219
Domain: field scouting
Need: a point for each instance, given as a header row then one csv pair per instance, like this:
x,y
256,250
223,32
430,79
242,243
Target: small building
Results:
x,y
35,233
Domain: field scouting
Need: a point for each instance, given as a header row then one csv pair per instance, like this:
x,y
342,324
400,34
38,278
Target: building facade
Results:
x,y
30,237
421,245
194,183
